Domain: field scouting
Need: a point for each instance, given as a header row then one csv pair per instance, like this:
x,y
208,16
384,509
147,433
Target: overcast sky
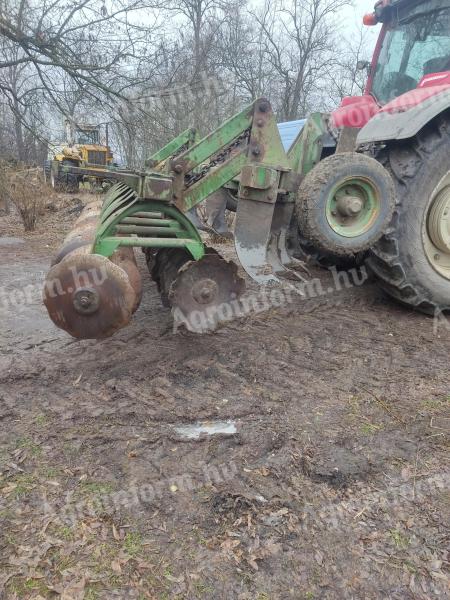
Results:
x,y
354,16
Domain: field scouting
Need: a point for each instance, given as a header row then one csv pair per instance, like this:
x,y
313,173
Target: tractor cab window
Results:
x,y
412,49
87,137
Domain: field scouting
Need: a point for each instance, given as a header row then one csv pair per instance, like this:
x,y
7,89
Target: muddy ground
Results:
x,y
331,479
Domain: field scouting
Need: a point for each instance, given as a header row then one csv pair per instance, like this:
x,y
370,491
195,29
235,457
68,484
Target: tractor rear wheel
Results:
x,y
64,182
412,259
71,180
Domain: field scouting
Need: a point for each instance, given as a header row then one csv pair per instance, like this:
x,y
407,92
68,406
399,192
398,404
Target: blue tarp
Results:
x,y
289,131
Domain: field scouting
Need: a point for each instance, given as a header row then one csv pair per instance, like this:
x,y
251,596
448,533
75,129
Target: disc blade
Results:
x,y
205,292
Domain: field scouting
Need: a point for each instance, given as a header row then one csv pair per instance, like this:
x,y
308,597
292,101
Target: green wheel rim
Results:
x,y
353,206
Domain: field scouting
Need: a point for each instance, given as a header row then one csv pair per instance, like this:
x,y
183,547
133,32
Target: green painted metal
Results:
x,y
147,231
159,222
175,230
246,148
266,146
119,203
156,186
188,137
258,177
306,150
214,180
149,215
353,226
214,142
107,246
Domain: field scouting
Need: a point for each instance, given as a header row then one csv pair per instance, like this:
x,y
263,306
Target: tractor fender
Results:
x,y
398,121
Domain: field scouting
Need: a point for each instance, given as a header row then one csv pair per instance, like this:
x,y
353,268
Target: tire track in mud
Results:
x,y
309,392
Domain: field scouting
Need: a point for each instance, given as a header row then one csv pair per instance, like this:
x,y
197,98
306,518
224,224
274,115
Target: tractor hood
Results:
x,y
354,111
94,147
405,116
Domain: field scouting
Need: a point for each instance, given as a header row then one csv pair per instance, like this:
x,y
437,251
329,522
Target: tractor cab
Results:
x,y
88,135
86,145
412,53
413,50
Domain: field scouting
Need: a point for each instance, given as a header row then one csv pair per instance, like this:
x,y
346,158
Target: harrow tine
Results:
x,y
251,239
260,241
277,253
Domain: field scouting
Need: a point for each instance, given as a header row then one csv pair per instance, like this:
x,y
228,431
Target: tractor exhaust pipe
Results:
x,y
86,294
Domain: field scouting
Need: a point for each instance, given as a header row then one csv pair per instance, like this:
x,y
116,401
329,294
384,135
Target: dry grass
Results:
x,y
26,188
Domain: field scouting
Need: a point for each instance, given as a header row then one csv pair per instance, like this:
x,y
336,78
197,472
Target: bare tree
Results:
x,y
349,75
150,67
300,43
98,48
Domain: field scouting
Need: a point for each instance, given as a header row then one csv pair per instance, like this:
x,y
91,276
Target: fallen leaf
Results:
x,y
115,566
116,534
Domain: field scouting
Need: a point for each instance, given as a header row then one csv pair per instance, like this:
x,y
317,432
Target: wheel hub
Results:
x,y
352,207
205,291
86,301
349,206
437,240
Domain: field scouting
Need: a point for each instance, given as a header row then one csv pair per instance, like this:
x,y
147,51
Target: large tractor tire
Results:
x,y
345,204
304,250
412,259
72,180
64,182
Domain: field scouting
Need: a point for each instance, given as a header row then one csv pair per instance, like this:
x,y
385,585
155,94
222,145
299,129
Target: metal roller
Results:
x,y
88,295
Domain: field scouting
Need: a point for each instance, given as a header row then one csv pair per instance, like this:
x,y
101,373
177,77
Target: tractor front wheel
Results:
x,y
412,259
344,204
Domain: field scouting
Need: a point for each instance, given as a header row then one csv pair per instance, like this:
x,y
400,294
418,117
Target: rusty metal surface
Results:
x,y
203,292
90,296
89,279
126,260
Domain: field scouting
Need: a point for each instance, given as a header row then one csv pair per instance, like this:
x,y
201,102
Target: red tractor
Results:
x,y
402,121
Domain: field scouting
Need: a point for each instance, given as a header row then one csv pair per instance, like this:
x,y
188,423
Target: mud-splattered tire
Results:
x,y
312,255
399,260
348,175
72,183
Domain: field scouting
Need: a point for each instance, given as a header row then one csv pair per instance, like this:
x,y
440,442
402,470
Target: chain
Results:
x,y
182,149
218,159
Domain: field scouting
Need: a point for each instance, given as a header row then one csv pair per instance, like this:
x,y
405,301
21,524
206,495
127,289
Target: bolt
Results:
x,y
256,151
84,301
264,107
350,206
246,192
178,168
334,213
260,122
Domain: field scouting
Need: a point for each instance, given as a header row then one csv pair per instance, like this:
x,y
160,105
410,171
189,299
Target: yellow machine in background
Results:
x,y
80,158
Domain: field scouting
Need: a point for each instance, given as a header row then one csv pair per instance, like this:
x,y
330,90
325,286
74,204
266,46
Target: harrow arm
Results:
x,y
148,210
158,160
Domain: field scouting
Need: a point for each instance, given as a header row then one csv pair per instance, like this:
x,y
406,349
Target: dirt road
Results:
x,y
322,470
